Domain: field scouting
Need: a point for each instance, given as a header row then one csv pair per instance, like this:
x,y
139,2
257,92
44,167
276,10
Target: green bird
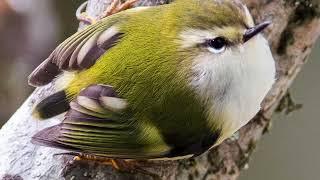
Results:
x,y
162,82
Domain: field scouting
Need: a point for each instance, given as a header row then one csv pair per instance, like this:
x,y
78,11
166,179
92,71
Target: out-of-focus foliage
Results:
x,y
29,30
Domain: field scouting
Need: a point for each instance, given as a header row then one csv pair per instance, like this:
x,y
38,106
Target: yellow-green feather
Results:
x,y
148,68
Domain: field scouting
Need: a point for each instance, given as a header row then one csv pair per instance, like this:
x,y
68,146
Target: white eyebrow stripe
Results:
x,y
191,37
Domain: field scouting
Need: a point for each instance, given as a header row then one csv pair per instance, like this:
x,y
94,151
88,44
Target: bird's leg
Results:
x,y
98,159
130,166
117,164
115,7
90,157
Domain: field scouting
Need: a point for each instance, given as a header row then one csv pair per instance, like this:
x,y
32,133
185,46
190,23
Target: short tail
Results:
x,y
49,137
51,106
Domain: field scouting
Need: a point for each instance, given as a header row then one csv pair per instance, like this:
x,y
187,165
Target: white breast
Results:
x,y
233,85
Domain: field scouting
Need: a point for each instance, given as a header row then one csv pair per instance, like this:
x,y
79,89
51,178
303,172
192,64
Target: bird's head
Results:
x,y
231,63
216,27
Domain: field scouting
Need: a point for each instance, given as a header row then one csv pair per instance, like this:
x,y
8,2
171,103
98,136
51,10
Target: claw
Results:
x,y
114,164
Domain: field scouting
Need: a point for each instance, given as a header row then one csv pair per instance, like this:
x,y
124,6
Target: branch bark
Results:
x,y
296,27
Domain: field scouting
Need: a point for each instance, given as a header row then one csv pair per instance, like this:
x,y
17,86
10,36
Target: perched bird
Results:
x,y
161,82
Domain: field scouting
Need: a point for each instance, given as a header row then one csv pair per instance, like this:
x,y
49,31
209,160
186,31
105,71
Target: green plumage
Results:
x,y
148,68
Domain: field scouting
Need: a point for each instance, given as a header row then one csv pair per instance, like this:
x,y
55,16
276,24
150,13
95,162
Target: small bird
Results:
x,y
164,82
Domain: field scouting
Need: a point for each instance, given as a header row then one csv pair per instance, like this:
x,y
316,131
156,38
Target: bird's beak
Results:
x,y
251,32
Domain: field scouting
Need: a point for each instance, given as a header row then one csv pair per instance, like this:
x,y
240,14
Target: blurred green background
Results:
x,y
28,35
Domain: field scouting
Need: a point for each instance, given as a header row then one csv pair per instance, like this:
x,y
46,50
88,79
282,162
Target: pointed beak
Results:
x,y
251,32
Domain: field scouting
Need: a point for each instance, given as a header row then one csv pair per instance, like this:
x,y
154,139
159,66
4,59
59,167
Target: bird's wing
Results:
x,y
78,52
97,124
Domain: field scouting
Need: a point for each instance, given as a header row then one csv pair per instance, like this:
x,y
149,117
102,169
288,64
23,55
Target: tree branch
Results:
x,y
296,27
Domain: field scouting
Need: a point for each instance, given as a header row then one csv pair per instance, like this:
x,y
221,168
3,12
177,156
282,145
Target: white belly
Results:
x,y
233,85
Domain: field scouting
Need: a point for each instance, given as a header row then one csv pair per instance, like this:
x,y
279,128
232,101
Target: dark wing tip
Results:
x,y
44,73
51,106
78,52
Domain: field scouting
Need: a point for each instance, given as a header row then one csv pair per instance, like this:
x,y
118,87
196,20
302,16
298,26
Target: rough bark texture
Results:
x,y
296,27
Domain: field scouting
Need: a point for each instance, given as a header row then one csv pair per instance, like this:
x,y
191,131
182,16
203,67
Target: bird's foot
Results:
x,y
128,166
101,160
115,7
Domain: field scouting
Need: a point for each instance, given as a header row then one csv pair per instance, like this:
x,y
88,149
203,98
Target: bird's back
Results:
x,y
147,69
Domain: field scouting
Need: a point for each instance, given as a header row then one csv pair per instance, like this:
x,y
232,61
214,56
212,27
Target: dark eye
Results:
x,y
217,45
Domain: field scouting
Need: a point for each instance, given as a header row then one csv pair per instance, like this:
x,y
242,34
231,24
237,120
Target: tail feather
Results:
x,y
48,137
51,106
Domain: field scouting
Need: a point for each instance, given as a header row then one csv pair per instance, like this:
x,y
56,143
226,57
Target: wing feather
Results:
x,y
78,52
91,126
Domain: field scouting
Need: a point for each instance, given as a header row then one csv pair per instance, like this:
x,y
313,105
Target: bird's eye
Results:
x,y
217,45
